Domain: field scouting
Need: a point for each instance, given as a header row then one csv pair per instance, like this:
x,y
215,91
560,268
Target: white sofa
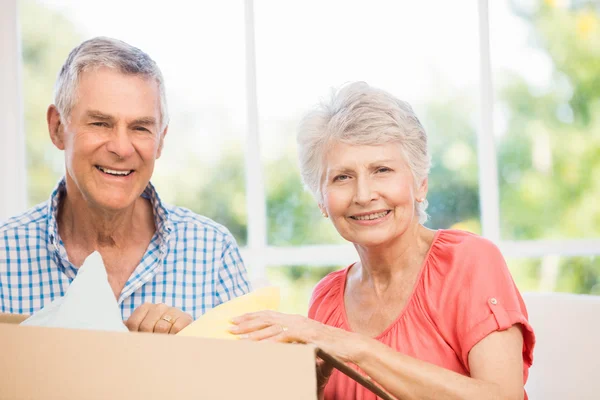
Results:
x,y
566,358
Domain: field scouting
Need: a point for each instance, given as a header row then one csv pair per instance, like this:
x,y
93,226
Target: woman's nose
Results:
x,y
366,191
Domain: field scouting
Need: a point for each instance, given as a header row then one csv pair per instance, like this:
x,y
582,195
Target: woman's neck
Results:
x,y
381,265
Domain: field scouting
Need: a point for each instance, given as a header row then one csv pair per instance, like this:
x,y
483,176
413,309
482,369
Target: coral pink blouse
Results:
x,y
463,293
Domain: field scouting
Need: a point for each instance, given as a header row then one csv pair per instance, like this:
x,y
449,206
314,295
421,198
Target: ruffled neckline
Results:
x,y
343,278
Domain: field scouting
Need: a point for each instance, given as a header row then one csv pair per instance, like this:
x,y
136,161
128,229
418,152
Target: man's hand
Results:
x,y
158,318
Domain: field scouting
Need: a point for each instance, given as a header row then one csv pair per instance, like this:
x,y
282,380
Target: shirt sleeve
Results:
x,y
481,298
232,275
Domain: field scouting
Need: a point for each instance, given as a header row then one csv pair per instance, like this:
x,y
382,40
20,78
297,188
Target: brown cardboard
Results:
x,y
68,364
12,318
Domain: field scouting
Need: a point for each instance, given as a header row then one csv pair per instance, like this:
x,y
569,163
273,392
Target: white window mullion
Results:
x,y
345,254
13,172
486,148
255,190
541,248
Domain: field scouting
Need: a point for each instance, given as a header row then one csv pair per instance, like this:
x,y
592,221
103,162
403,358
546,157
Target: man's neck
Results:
x,y
90,228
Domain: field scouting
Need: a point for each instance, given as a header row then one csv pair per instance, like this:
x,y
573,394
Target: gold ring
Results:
x,y
168,318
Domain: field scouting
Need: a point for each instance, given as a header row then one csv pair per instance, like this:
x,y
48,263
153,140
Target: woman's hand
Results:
x,y
324,371
274,326
279,327
158,318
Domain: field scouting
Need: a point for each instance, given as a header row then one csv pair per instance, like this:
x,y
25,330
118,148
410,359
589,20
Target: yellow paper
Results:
x,y
215,323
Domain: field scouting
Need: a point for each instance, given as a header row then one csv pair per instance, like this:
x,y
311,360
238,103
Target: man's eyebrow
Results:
x,y
99,115
144,121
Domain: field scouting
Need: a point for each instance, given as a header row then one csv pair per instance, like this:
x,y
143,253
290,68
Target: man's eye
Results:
x,y
101,124
383,169
141,129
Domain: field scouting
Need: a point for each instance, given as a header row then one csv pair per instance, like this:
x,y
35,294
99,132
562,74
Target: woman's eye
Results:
x,y
383,169
340,178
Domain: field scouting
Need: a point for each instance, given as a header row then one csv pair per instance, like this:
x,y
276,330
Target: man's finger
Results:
x,y
136,318
154,314
166,320
180,323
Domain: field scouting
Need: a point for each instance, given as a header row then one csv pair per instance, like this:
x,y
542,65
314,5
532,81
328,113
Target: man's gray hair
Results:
x,y
111,53
359,114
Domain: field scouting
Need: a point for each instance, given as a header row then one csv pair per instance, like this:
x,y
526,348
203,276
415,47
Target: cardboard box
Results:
x,y
68,364
53,363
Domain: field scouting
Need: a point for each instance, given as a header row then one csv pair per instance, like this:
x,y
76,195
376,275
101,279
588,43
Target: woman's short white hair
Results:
x,y
359,114
105,52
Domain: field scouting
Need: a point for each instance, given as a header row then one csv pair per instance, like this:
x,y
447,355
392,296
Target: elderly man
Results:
x,y
166,265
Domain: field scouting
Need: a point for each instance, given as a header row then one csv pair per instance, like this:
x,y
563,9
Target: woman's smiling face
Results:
x,y
369,193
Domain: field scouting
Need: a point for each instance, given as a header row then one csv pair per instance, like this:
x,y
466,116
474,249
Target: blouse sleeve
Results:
x,y
480,298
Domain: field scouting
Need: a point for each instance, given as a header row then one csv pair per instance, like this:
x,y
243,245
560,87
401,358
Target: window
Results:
x,y
305,48
547,94
202,164
513,121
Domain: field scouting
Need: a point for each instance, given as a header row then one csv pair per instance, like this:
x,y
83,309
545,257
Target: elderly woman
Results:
x,y
425,314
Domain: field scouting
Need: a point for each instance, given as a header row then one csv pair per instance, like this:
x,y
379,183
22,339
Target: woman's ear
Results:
x,y
55,127
323,210
422,190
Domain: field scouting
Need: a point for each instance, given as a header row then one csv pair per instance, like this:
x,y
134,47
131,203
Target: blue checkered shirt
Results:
x,y
191,263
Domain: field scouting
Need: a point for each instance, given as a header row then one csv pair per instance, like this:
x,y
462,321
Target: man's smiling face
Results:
x,y
112,137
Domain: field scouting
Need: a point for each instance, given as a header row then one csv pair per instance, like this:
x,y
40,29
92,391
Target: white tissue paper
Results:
x,y
89,302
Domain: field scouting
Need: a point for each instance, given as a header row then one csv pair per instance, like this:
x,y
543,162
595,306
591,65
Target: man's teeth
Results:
x,y
115,172
371,216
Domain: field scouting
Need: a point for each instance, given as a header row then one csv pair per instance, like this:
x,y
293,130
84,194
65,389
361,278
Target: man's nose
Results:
x,y
120,143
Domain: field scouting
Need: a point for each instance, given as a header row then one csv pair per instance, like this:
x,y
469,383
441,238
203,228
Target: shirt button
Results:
x,y
493,301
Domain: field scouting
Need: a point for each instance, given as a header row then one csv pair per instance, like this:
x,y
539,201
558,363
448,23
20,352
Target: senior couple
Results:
x,y
425,314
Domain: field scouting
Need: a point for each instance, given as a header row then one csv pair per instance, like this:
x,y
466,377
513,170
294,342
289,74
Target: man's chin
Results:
x,y
114,203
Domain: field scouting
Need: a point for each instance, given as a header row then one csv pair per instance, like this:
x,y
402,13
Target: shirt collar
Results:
x,y
162,220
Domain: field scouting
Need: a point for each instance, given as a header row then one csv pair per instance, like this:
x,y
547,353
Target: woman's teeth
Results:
x,y
371,216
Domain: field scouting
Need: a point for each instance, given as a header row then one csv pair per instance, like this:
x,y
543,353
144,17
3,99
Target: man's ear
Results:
x,y
55,127
162,142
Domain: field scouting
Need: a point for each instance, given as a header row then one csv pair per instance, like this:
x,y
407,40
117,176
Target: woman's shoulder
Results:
x,y
326,294
456,255
453,243
332,278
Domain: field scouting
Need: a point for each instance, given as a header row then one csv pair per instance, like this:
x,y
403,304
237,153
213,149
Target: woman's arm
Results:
x,y
496,362
496,367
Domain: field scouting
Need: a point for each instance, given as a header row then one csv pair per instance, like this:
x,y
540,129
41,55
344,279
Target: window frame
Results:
x,y
258,254
13,171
